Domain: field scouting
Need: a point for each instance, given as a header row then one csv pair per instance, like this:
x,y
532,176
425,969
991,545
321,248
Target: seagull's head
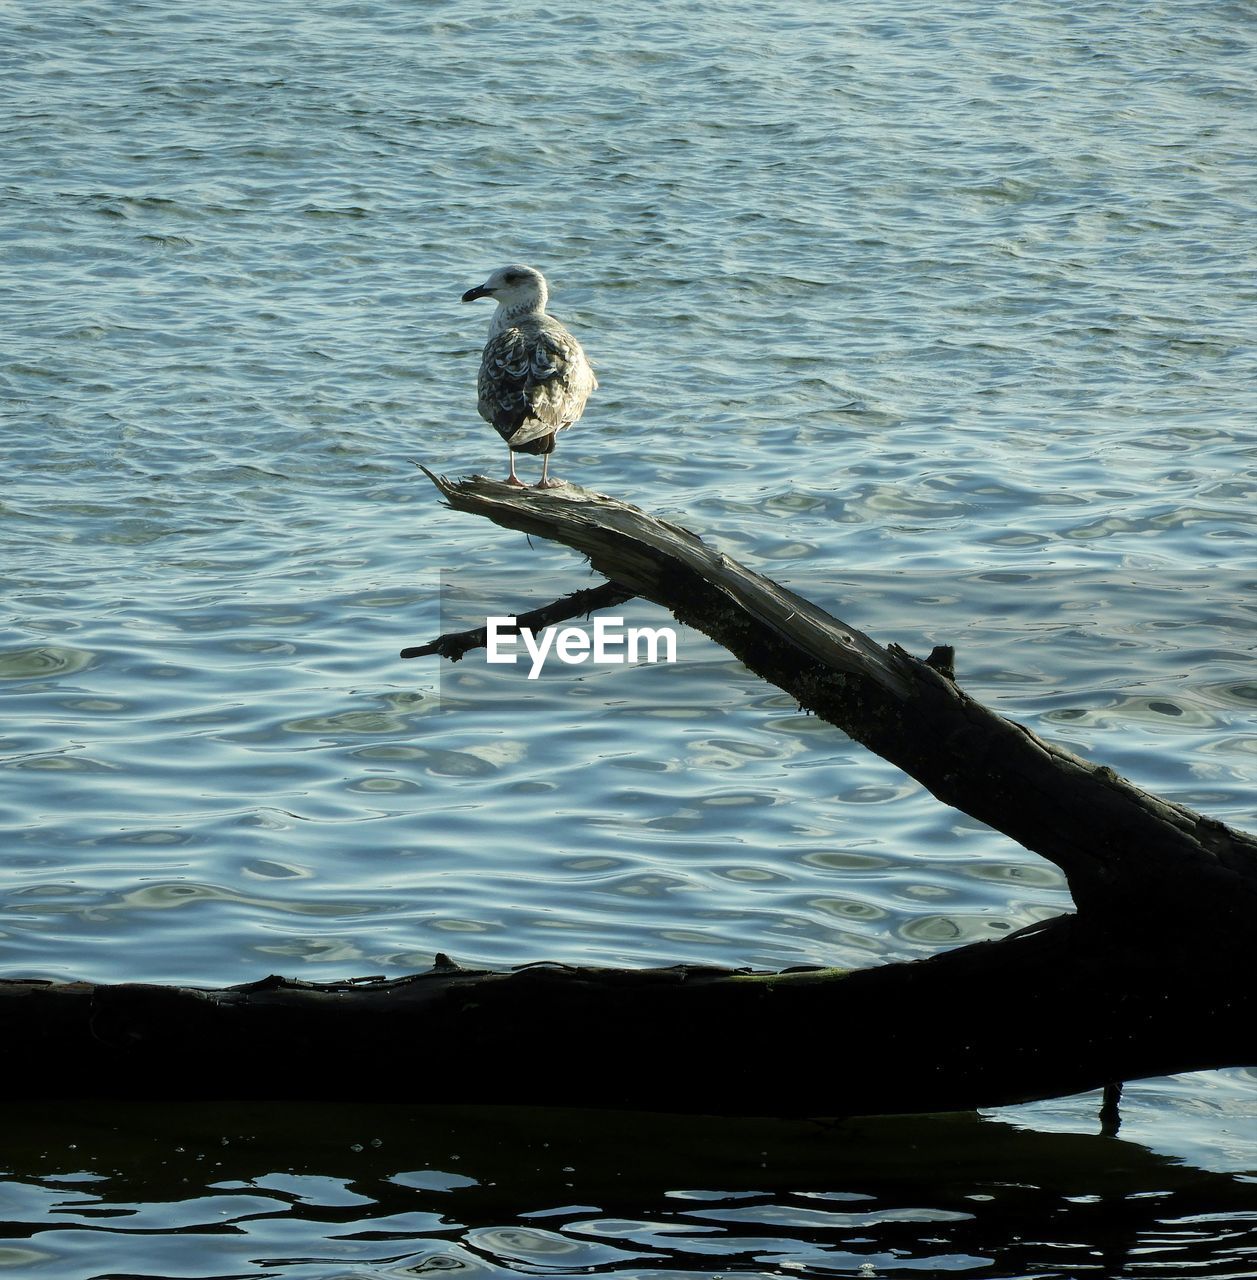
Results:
x,y
516,289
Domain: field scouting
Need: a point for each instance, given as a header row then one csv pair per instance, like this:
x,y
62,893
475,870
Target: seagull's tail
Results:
x,y
531,431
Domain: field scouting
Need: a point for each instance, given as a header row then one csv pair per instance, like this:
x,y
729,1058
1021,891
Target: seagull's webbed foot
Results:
x,y
515,480
549,483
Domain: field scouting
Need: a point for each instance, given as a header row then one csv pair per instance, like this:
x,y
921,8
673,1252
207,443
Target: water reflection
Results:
x,y
292,1191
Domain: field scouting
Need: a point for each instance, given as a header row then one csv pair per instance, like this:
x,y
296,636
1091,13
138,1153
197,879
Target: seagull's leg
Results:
x,y
513,478
543,483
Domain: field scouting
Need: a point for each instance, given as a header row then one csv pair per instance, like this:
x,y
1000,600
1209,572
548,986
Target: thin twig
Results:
x,y
456,644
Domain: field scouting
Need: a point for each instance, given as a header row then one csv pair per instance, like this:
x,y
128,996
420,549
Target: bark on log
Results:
x,y
1152,975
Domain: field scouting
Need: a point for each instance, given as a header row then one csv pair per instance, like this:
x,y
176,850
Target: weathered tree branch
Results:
x,y
1153,975
1134,857
1055,1009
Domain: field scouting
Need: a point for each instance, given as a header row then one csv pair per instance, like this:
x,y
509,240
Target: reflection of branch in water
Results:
x,y
694,1194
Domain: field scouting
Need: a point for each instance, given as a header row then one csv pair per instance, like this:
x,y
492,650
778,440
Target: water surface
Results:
x,y
943,318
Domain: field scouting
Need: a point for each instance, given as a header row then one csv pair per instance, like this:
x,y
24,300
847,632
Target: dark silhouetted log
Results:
x,y
1055,1009
1153,974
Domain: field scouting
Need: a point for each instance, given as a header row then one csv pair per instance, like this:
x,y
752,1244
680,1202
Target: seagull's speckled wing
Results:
x,y
534,381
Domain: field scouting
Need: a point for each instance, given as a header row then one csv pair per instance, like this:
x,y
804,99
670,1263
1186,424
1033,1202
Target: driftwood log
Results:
x,y
1152,974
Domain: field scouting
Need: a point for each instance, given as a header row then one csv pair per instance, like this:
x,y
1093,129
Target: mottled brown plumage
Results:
x,y
534,376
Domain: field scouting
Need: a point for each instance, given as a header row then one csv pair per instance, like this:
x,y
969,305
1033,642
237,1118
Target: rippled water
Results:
x,y
376,1192
944,317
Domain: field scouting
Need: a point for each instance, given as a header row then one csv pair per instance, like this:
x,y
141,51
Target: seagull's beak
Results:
x,y
478,292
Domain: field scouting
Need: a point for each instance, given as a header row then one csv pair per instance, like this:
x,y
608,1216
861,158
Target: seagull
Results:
x,y
534,376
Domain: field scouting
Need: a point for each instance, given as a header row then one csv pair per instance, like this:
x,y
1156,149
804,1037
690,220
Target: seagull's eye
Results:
x,y
512,277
